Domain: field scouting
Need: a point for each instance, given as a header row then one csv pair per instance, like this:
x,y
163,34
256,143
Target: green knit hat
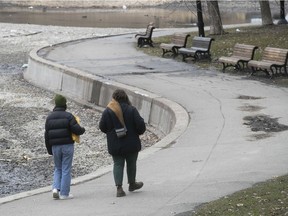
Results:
x,y
60,101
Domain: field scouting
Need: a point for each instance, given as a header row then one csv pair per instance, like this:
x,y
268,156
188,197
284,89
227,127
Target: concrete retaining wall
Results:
x,y
87,88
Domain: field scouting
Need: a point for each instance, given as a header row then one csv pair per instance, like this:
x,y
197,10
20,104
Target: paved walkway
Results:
x,y
216,155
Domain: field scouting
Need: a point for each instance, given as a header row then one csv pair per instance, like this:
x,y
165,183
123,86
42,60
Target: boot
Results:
x,y
120,192
135,186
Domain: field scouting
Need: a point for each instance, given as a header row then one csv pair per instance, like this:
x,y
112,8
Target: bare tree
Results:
x,y
266,12
216,27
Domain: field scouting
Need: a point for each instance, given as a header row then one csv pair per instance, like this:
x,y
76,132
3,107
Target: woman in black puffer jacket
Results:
x,y
121,115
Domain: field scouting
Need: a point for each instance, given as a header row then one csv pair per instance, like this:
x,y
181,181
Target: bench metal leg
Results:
x,y
238,66
166,51
184,56
175,52
253,70
224,67
268,74
140,41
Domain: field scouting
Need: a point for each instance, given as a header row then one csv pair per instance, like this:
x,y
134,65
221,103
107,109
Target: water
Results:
x,y
130,18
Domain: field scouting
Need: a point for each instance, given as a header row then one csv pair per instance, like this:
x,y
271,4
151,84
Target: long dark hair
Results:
x,y
120,96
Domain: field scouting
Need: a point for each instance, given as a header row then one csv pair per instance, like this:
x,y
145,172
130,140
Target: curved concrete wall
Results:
x,y
166,116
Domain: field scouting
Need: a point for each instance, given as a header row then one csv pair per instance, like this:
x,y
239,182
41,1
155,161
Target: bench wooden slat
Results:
x,y
200,48
179,40
274,54
241,55
273,61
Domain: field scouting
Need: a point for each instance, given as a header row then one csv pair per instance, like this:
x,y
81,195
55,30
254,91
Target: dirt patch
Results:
x,y
250,108
246,97
260,136
265,124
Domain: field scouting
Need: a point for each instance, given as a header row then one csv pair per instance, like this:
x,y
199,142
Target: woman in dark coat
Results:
x,y
122,124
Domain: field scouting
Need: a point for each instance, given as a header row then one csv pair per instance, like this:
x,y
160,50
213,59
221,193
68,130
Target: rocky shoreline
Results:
x,y
24,163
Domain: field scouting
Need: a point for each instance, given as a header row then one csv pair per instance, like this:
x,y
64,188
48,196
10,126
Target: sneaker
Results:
x,y
55,193
64,197
135,186
120,192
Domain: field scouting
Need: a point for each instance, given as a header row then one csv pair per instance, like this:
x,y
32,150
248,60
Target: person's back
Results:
x,y
120,115
59,127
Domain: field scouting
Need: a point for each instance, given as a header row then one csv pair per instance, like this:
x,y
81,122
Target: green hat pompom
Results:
x,y
60,101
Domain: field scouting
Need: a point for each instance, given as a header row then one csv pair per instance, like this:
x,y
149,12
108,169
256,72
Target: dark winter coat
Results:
x,y
59,127
135,126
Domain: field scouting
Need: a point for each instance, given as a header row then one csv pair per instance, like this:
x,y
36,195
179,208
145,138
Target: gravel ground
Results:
x,y
24,163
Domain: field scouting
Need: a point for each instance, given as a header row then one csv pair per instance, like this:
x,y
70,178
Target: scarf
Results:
x,y
116,108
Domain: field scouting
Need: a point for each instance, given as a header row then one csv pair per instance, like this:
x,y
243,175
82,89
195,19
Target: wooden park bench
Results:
x,y
200,48
272,62
145,38
178,41
242,54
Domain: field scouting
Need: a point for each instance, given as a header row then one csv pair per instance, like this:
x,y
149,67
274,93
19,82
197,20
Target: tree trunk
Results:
x,y
200,23
216,27
282,13
266,12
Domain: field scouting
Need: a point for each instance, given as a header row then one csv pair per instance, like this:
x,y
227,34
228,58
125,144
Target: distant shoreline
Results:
x,y
116,4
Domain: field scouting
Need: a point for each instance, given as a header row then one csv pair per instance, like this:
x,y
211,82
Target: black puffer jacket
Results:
x,y
59,128
135,126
